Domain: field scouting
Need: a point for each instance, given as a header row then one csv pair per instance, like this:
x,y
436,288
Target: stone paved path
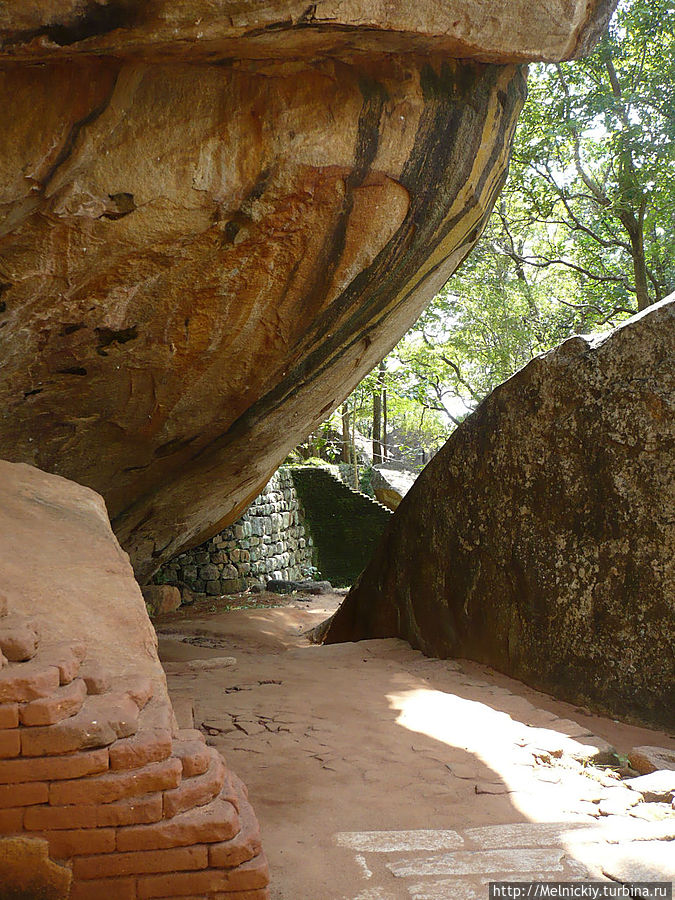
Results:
x,y
378,774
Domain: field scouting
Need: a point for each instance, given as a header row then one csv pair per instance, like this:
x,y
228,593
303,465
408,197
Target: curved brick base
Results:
x,y
91,760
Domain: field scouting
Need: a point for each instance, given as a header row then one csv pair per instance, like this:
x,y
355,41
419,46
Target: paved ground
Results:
x,y
378,774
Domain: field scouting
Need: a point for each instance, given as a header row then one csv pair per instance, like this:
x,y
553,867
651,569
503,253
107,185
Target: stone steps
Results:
x,y
51,666
54,768
117,785
101,721
67,657
194,756
97,680
216,821
209,851
196,790
30,682
152,742
65,702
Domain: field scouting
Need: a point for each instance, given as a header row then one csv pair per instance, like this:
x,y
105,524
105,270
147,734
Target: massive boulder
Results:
x,y
487,30
540,539
217,217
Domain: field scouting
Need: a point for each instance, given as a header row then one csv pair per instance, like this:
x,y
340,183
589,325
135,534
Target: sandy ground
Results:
x,y
379,774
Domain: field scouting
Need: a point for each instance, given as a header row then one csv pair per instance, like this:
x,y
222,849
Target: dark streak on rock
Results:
x,y
73,134
365,151
97,21
435,172
448,138
72,327
174,446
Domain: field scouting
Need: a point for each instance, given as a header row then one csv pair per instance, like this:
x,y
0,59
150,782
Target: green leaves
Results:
x,y
592,174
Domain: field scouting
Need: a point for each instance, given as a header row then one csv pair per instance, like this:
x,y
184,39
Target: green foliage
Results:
x,y
591,190
366,481
317,461
590,203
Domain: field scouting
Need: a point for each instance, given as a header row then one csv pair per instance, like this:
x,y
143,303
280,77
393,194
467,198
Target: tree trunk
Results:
x,y
637,244
634,229
355,455
385,446
377,425
378,393
345,456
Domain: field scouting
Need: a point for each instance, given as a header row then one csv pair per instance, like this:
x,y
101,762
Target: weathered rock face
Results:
x,y
200,261
488,30
91,759
540,539
217,220
391,483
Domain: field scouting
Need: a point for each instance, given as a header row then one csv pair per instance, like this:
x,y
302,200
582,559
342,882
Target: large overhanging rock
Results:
x,y
540,539
217,220
487,30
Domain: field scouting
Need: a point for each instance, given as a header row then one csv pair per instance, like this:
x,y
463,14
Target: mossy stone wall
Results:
x,y
345,525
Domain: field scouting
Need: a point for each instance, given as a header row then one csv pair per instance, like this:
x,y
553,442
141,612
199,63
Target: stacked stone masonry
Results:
x,y
346,525
91,765
269,541
305,521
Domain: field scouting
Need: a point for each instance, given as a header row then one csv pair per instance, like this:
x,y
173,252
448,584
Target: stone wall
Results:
x,y
269,541
305,520
101,795
345,525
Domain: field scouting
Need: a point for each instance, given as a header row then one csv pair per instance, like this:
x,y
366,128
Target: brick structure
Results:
x,y
91,759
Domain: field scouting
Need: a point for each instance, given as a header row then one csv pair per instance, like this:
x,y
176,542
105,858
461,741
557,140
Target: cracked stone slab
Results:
x,y
478,862
475,889
656,787
545,834
648,861
399,841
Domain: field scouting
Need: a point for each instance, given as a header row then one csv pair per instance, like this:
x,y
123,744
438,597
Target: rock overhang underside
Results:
x,y
217,218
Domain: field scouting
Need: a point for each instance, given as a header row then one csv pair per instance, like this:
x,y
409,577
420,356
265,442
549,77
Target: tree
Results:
x,y
379,407
591,187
